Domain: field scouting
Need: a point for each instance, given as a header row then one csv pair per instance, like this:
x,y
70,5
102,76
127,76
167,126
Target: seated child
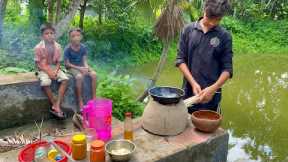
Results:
x,y
75,56
47,59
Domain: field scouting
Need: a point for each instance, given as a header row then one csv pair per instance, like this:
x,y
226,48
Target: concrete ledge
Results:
x,y
65,126
189,146
22,99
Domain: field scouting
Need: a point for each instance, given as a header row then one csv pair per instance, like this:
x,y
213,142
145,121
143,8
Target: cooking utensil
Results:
x,y
206,120
50,141
120,150
166,95
164,108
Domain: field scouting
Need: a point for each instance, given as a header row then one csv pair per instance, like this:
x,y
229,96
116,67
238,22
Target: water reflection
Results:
x,y
259,132
242,150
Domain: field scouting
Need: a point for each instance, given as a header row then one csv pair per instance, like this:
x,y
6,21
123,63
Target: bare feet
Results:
x,y
57,111
56,108
81,104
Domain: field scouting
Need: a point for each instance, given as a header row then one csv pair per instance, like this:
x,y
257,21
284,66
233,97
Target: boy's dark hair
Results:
x,y
216,8
75,29
46,26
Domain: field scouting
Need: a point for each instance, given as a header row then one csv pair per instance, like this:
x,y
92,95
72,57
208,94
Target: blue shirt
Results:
x,y
75,57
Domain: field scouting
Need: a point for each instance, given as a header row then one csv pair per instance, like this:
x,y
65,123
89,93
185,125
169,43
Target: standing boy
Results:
x,y
205,56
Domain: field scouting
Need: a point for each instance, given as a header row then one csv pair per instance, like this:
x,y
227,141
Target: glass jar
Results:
x,y
97,152
90,136
79,147
128,126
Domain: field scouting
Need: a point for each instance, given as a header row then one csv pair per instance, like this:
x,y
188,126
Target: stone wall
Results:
x,y
22,99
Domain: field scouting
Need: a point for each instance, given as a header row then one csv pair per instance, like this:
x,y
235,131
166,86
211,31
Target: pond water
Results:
x,y
254,105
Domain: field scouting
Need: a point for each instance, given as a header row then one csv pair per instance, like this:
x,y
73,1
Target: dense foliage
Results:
x,y
119,33
119,89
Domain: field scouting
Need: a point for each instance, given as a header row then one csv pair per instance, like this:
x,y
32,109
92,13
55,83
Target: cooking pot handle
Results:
x,y
191,101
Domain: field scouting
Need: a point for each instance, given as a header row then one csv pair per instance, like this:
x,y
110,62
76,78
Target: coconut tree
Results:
x,y
166,29
50,11
36,14
82,13
58,10
61,25
64,23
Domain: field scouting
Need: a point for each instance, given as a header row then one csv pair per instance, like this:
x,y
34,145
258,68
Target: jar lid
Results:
x,y
129,114
79,138
97,144
52,154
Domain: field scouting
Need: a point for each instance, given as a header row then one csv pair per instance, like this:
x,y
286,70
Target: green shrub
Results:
x,y
112,44
258,36
119,89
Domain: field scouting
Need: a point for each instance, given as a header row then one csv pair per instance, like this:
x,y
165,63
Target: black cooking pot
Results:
x,y
166,95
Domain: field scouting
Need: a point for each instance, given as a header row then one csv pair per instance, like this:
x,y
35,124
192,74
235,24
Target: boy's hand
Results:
x,y
196,88
52,74
55,74
207,94
84,70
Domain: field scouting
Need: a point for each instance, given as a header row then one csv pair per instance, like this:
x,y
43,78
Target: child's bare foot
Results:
x,y
81,105
55,110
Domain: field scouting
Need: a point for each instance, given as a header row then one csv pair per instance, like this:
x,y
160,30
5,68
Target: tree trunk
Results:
x,y
64,23
3,4
36,15
158,70
100,17
58,11
50,11
82,13
235,12
99,9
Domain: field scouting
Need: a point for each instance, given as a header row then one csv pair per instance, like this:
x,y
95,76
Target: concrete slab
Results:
x,y
64,127
189,146
17,78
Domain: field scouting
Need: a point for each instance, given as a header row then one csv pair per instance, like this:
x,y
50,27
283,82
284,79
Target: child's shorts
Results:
x,y
74,72
46,81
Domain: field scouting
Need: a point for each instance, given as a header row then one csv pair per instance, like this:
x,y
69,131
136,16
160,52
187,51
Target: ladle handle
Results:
x,y
190,101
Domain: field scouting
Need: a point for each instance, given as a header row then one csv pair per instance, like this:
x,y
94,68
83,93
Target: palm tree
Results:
x,y
58,10
166,29
50,11
82,13
64,23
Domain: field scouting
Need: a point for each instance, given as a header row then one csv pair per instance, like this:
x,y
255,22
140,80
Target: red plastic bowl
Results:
x,y
27,153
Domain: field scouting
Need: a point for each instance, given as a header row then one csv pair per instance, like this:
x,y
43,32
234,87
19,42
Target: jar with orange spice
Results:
x,y
97,153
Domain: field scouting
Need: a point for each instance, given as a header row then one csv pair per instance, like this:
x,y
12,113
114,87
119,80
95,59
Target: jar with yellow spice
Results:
x,y
79,147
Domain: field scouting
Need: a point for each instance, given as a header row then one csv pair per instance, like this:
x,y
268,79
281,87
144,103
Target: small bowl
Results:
x,y
206,120
120,150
